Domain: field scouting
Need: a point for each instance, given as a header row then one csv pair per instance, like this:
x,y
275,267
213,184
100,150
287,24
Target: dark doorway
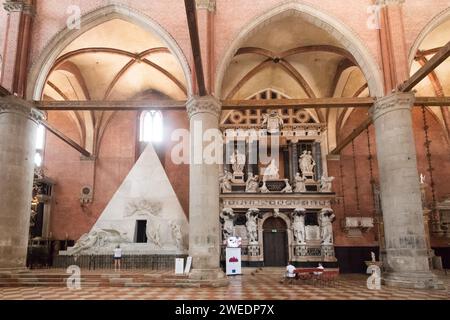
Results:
x,y
141,228
275,243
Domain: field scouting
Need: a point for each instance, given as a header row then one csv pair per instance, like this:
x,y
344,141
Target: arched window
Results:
x,y
40,144
151,126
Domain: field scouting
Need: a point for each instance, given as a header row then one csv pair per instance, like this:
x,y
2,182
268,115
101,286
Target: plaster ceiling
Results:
x,y
435,39
109,60
316,61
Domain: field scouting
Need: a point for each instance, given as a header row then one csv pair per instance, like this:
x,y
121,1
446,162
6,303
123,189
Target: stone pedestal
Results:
x,y
406,249
18,130
204,225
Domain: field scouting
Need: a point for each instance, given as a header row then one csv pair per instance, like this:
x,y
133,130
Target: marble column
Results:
x,y
18,130
294,159
317,151
204,226
406,250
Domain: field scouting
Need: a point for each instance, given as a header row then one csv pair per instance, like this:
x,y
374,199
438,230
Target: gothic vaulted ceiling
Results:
x,y
116,60
299,60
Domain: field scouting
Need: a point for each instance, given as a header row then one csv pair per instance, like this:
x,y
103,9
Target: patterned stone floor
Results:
x,y
246,287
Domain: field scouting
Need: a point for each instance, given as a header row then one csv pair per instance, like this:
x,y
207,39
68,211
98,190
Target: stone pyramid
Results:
x,y
145,194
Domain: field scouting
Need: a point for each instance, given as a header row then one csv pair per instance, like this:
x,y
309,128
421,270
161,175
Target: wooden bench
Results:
x,y
325,276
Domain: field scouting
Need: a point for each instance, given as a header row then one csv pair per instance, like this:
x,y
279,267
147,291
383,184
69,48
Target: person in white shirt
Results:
x,y
117,257
321,268
290,272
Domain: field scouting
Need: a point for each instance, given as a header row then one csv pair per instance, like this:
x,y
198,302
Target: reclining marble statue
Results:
x,y
97,238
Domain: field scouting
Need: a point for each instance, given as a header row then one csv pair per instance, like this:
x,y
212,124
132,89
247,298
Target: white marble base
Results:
x,y
130,249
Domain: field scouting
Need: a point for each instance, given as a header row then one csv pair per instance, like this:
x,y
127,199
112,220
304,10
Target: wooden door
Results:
x,y
275,243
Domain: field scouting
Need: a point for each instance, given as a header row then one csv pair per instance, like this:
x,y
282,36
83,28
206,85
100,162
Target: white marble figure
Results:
x,y
86,241
252,225
97,238
287,188
225,182
264,188
298,225
227,215
299,183
276,212
271,172
325,183
422,178
306,163
237,161
372,254
153,233
326,218
177,235
252,184
272,121
142,206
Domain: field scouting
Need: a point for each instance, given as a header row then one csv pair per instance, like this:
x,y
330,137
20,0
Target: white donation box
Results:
x,y
233,256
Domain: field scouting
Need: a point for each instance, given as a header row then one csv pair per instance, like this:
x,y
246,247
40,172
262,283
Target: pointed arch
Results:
x,y
43,65
350,41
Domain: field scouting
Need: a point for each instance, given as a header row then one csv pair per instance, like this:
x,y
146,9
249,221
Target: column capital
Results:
x,y
18,6
206,104
13,104
392,102
209,5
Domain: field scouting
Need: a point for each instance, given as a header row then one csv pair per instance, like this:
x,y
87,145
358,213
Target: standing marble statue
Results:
x,y
325,183
225,182
326,218
227,218
299,183
306,163
422,179
237,161
252,184
298,225
252,225
177,235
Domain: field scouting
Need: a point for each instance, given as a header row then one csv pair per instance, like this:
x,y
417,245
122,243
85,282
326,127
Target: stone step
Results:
x,y
47,284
